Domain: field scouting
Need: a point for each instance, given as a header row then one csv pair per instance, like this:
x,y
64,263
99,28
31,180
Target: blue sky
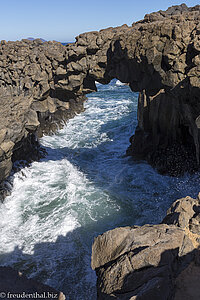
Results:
x,y
62,20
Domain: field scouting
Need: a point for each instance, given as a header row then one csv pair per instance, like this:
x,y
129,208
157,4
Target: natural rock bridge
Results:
x,y
159,57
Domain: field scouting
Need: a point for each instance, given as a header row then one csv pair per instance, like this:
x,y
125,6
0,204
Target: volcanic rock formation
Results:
x,y
42,84
32,101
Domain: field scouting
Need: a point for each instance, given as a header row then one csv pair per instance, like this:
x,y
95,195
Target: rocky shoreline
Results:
x,y
29,107
43,84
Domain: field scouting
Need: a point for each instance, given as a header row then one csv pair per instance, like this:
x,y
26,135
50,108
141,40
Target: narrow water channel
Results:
x,y
83,187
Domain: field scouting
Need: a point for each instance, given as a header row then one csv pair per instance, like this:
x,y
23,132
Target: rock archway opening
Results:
x,y
158,57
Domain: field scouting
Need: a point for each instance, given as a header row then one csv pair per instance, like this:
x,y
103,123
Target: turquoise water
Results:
x,y
84,186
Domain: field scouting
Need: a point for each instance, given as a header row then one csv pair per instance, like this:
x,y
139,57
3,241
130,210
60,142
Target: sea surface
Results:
x,y
83,187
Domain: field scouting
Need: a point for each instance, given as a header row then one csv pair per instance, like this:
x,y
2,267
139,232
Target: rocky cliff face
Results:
x,y
151,262
42,84
32,101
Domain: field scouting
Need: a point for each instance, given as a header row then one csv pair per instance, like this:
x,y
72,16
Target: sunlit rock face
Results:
x,y
44,83
152,261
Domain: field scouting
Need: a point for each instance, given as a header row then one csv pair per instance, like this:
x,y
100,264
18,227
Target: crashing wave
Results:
x,y
119,83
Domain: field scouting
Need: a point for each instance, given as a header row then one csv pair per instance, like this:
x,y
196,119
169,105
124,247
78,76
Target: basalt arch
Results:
x,y
159,58
42,84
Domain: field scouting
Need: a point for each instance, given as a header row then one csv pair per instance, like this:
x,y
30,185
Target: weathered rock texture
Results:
x,y
32,102
151,262
15,285
160,58
43,83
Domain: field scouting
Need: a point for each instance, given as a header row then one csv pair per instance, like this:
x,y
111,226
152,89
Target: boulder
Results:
x,y
151,261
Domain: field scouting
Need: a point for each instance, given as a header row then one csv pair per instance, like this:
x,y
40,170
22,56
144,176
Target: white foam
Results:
x,y
83,187
119,83
24,222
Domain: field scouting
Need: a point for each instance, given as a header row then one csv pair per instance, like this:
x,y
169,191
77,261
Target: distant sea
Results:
x,y
63,43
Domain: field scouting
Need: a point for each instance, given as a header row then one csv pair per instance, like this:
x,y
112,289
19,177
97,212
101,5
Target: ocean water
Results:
x,y
83,187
